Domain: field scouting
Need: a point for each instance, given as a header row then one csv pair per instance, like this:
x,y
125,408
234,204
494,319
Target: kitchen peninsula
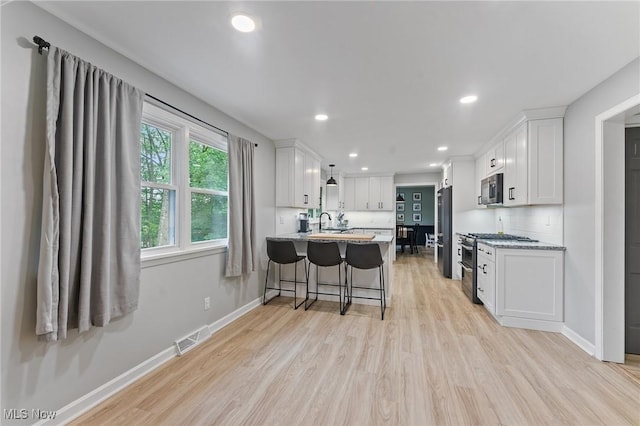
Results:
x,y
363,277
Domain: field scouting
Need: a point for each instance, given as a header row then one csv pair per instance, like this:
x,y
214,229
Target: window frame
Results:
x,y
183,130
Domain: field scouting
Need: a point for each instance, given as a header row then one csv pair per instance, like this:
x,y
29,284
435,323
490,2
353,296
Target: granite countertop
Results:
x,y
304,236
527,245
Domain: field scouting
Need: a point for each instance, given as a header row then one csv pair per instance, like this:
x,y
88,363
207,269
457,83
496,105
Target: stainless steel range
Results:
x,y
469,261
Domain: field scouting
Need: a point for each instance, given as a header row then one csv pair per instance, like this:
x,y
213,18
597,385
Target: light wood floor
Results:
x,y
436,359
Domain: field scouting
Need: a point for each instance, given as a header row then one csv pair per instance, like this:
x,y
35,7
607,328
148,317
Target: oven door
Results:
x,y
467,280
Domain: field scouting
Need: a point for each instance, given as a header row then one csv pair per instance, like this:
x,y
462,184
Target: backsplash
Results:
x,y
368,219
543,223
287,220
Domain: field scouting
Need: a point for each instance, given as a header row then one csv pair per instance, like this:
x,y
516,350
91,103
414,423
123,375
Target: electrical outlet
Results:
x,y
207,303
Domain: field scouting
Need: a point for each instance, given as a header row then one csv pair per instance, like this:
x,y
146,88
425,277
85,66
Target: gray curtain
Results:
x,y
89,270
242,221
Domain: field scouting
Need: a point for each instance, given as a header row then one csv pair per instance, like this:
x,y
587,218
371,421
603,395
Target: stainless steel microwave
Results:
x,y
491,190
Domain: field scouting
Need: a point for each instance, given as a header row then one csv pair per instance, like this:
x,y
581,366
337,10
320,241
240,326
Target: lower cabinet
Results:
x,y
529,284
486,277
522,287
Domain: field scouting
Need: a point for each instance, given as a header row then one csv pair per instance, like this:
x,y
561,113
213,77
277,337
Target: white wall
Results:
x,y
409,179
579,208
49,376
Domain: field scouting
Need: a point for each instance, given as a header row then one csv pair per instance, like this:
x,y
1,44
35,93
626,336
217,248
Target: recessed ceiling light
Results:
x,y
442,148
353,155
243,23
468,99
322,117
433,165
364,169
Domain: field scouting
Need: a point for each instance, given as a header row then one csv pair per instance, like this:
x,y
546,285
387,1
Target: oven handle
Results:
x,y
466,247
466,268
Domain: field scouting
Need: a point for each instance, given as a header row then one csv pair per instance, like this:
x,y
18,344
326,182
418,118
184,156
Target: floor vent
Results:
x,y
192,340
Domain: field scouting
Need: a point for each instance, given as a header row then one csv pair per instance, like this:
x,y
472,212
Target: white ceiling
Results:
x,y
388,74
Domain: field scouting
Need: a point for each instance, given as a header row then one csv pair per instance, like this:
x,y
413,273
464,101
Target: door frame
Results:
x,y
609,342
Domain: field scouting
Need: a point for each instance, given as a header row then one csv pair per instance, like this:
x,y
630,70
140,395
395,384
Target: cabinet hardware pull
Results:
x,y
493,162
459,254
511,197
484,268
479,200
480,290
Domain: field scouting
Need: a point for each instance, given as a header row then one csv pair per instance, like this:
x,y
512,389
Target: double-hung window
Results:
x,y
184,184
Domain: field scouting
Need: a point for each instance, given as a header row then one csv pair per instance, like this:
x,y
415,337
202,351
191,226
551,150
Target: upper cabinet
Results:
x,y
532,159
447,175
297,175
494,159
335,194
373,193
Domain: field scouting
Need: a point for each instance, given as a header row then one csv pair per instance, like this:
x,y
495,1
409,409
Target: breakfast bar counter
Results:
x,y
387,250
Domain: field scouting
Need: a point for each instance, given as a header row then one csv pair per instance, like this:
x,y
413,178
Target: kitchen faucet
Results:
x,y
320,220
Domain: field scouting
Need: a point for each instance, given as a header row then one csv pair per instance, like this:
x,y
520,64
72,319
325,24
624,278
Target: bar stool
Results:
x,y
323,254
283,253
364,256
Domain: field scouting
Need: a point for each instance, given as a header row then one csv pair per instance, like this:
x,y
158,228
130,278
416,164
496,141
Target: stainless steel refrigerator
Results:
x,y
445,231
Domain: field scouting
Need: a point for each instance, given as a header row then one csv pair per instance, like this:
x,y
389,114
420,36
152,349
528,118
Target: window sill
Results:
x,y
152,260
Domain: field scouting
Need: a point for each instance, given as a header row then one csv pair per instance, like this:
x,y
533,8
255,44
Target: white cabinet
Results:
x,y
335,195
494,159
546,142
380,193
369,193
297,176
486,277
447,175
361,201
530,284
516,168
481,172
349,194
531,157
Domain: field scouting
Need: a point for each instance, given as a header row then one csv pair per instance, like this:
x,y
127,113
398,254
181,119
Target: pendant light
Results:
x,y
331,181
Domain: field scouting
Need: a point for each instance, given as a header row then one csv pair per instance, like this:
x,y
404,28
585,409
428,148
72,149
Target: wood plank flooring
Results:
x,y
436,359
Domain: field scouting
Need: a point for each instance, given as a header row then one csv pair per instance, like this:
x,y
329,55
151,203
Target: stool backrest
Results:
x,y
364,256
324,253
282,251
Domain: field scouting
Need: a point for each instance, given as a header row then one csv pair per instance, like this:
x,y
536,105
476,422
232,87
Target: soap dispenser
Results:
x,y
500,225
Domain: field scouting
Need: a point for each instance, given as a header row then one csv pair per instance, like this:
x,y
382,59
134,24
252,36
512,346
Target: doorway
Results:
x,y
632,242
610,251
415,214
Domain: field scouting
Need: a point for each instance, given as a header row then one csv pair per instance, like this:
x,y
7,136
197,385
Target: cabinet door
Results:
x,y
284,177
349,193
362,193
387,200
374,193
545,161
299,198
311,182
332,199
481,173
494,159
486,283
447,175
516,168
530,284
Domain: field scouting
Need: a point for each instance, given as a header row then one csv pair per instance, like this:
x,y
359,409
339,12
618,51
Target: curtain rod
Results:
x,y
43,44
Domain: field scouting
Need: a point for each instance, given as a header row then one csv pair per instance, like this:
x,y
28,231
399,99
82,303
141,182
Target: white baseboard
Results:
x,y
228,319
531,324
83,404
579,341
